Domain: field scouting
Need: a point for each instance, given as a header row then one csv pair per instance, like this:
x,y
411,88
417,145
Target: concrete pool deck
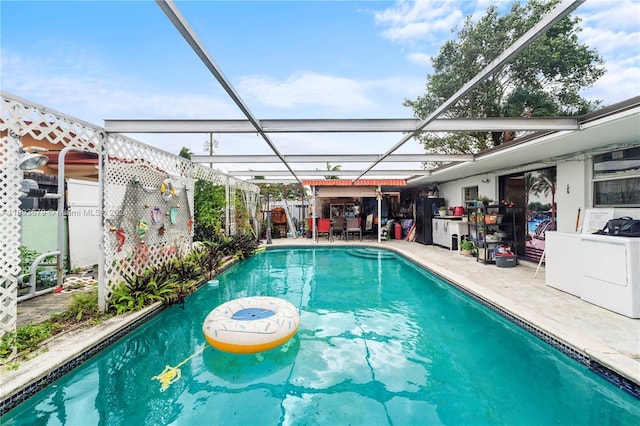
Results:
x,y
610,339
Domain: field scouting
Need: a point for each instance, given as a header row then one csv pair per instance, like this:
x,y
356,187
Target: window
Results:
x,y
469,194
616,178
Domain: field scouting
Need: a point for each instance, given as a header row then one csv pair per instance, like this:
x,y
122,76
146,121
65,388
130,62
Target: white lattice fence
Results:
x,y
251,203
147,197
10,177
231,205
211,175
20,118
148,208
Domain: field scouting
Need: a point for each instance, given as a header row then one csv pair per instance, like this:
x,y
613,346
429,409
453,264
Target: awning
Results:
x,y
361,182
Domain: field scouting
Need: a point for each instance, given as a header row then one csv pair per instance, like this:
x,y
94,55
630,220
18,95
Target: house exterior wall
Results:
x,y
573,183
487,184
453,192
573,180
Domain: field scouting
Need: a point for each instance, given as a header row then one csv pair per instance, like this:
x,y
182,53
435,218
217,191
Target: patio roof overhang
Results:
x,y
360,182
333,188
611,128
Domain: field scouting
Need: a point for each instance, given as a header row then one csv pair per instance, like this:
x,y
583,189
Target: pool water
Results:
x,y
381,342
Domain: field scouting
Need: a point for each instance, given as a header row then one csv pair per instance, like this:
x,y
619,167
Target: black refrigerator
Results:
x,y
426,209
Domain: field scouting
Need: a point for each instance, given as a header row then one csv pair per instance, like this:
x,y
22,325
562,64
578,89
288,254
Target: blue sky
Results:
x,y
287,59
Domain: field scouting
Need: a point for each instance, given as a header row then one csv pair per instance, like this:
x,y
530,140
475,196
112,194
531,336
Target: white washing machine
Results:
x,y
611,273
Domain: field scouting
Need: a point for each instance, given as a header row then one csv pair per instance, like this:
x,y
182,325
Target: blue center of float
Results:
x,y
250,314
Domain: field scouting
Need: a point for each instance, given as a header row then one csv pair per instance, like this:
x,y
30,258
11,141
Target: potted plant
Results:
x,y
466,247
484,200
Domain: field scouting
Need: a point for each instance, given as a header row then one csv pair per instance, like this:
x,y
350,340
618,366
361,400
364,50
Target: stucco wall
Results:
x,y
573,180
573,183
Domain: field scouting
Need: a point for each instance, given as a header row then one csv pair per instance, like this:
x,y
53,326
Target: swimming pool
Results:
x,y
381,341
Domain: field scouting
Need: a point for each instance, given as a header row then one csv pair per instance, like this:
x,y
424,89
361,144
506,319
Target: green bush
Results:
x,y
208,258
172,281
466,245
167,283
142,290
84,307
25,339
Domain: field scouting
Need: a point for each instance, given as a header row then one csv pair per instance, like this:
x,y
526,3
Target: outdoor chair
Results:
x,y
353,227
338,227
323,226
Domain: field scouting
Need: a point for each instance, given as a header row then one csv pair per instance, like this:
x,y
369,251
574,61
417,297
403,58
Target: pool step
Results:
x,y
371,254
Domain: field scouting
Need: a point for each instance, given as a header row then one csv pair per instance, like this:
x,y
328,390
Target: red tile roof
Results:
x,y
361,182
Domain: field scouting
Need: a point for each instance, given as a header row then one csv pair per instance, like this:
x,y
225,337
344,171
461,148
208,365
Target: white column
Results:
x,y
313,213
379,199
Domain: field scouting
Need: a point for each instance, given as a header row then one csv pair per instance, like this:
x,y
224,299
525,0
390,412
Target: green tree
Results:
x,y
331,168
542,80
209,202
185,153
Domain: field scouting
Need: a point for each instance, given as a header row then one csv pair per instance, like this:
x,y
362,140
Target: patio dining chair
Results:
x,y
353,227
323,226
337,227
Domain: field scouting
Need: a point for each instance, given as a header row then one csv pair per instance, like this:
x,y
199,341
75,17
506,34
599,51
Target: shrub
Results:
x,y
467,245
84,306
25,339
208,258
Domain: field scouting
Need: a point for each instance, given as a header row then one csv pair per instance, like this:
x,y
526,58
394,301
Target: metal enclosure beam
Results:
x,y
176,18
347,125
345,158
275,173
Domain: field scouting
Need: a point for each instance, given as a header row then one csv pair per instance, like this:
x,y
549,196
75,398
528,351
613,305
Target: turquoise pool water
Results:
x,y
381,342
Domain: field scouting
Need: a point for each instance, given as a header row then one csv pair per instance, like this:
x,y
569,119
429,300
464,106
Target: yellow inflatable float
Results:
x,y
251,324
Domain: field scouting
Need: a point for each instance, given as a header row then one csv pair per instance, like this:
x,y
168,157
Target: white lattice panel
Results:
x,y
10,177
250,192
144,226
44,124
251,203
19,118
232,207
141,227
210,175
